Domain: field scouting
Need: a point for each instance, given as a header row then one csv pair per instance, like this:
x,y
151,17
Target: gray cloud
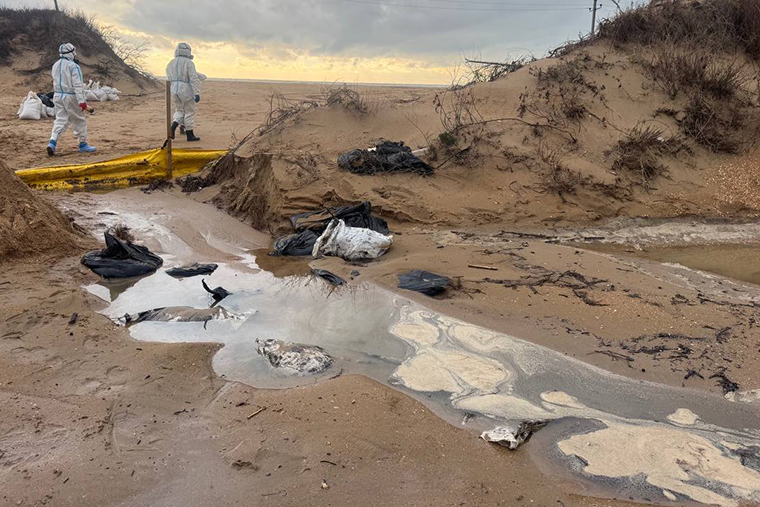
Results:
x,y
335,27
347,29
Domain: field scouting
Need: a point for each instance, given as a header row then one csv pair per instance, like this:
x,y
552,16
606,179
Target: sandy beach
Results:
x,y
598,233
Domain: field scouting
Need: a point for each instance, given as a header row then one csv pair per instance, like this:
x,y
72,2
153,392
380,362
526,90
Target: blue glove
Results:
x,y
197,98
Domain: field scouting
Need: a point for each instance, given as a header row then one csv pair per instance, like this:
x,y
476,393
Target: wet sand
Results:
x,y
467,372
161,426
85,404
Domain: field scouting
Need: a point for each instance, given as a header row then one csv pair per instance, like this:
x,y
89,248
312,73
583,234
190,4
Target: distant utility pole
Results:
x,y
593,15
56,5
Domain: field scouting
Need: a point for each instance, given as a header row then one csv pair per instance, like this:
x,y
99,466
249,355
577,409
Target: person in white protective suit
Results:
x,y
70,100
186,89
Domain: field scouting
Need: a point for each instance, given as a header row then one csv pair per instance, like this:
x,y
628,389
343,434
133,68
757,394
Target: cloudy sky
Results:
x,y
392,41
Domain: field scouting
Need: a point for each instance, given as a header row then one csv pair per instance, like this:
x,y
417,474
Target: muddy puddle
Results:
x,y
608,436
739,262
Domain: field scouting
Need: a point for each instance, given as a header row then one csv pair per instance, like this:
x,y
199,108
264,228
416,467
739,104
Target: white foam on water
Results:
x,y
496,375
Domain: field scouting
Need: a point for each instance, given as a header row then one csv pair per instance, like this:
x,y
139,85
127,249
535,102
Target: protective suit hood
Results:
x,y
184,49
67,51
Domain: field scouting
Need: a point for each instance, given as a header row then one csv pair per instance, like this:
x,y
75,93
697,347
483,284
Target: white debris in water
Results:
x,y
294,358
752,396
670,458
513,436
683,417
183,314
670,496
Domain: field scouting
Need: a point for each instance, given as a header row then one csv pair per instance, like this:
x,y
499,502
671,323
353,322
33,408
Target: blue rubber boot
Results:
x,y
51,148
86,148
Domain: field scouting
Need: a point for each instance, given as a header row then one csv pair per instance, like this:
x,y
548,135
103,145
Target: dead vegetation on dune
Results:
x,y
102,52
350,99
475,70
677,71
721,25
644,100
284,110
639,154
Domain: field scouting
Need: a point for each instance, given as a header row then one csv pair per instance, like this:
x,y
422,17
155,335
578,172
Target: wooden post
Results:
x,y
168,130
593,17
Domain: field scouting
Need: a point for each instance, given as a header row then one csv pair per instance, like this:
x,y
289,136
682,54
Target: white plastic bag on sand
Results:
x,y
514,435
49,110
100,94
351,243
31,108
91,97
113,93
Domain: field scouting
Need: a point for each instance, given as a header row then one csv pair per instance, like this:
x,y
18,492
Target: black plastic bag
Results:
x,y
423,282
299,245
358,215
47,99
386,157
332,278
121,259
216,294
191,270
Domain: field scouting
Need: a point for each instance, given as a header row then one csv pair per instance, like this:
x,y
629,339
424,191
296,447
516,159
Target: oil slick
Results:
x,y
624,436
503,378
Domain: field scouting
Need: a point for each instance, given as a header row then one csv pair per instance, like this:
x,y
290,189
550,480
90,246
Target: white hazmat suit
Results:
x,y
186,88
69,99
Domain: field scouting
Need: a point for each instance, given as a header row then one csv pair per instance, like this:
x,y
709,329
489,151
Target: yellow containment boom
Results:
x,y
135,169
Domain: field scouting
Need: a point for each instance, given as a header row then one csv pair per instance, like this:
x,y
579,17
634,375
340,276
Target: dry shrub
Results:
x,y
567,72
572,105
43,31
714,125
563,92
722,25
641,151
557,178
282,110
676,70
477,71
350,99
457,110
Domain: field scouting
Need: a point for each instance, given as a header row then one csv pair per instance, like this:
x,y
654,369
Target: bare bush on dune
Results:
x,y
722,25
475,70
639,154
555,177
42,31
350,98
133,54
281,111
676,70
715,126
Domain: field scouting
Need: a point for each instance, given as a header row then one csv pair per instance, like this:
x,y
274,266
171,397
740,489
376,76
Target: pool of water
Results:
x,y
625,438
739,262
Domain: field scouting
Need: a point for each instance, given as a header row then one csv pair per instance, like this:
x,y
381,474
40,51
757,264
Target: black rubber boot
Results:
x,y
191,137
174,128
